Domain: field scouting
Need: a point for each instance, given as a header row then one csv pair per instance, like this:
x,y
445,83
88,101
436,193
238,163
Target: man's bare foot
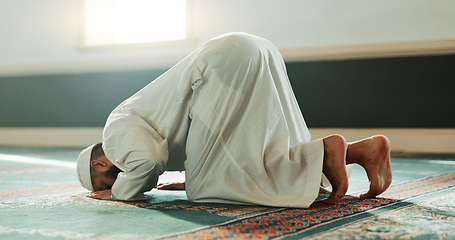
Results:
x,y
373,154
334,167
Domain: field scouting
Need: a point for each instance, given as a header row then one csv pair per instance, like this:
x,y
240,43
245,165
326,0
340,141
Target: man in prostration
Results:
x,y
227,116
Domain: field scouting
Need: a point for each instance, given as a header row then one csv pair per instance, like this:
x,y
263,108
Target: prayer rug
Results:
x,y
40,198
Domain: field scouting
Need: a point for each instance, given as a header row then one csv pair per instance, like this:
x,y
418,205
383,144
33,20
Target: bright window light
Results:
x,y
111,22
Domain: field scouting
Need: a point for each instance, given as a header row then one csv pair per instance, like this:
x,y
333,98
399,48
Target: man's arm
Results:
x,y
139,151
106,194
171,186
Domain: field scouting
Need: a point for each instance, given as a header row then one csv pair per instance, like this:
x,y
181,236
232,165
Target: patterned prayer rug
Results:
x,y
40,198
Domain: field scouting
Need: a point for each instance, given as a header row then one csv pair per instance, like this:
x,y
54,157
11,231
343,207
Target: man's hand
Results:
x,y
171,186
102,195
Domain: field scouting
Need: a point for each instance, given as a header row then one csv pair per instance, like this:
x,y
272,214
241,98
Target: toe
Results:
x,y
367,195
330,200
335,196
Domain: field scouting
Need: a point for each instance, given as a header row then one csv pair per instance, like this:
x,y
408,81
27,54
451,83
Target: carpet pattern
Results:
x,y
291,221
431,218
40,198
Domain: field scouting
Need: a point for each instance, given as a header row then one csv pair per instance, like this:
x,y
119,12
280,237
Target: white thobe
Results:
x,y
227,115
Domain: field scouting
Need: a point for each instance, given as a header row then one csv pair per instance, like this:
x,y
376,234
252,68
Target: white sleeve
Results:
x,y
135,147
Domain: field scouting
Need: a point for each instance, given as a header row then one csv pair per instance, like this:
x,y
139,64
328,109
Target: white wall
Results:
x,y
42,35
308,23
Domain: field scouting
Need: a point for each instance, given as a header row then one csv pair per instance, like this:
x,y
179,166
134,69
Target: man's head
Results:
x,y
95,171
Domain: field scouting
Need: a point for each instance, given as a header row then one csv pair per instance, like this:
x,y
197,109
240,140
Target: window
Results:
x,y
113,22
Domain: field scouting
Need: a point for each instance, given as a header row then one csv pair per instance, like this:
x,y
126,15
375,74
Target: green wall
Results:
x,y
408,92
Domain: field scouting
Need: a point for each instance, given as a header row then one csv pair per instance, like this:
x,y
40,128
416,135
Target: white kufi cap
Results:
x,y
83,168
